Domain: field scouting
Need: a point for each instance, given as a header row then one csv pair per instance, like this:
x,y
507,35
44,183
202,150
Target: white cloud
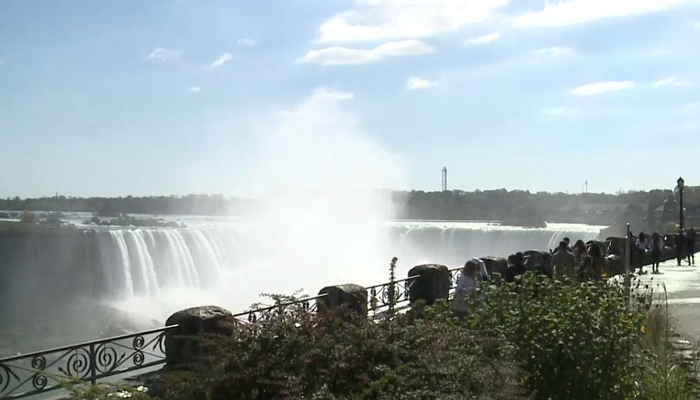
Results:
x,y
344,55
483,39
672,81
690,127
246,42
164,54
602,87
416,82
194,89
693,105
223,59
374,20
697,25
555,51
572,12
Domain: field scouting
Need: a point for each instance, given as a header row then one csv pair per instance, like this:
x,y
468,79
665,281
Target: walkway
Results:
x,y
683,288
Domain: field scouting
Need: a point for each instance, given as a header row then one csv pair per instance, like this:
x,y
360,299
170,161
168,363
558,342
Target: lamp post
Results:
x,y
681,185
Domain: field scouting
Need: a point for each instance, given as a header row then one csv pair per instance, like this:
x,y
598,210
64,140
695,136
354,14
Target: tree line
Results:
x,y
514,207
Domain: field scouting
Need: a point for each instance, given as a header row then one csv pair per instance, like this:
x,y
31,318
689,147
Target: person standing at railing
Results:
x,y
563,261
599,263
474,271
580,250
516,269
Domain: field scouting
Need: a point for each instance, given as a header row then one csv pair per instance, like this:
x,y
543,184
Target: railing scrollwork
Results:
x,y
29,374
383,297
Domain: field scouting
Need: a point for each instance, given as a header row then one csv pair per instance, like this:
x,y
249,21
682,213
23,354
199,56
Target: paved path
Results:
x,y
683,288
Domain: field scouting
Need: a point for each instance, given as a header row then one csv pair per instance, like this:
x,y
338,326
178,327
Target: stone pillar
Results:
x,y
352,296
431,283
181,343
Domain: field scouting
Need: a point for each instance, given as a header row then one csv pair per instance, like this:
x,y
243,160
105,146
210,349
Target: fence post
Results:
x,y
93,364
392,286
628,281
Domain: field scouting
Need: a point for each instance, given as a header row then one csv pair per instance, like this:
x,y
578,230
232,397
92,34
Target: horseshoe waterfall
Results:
x,y
108,277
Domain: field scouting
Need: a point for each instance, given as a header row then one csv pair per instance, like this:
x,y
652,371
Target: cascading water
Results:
x,y
107,279
144,262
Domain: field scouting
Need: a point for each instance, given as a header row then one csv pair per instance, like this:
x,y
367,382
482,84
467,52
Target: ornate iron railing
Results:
x,y
33,373
264,313
30,374
388,295
455,273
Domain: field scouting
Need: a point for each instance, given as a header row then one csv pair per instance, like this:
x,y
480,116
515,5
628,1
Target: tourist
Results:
x,y
690,246
585,270
516,269
568,243
657,246
580,250
681,244
563,261
599,263
483,272
530,264
467,282
641,246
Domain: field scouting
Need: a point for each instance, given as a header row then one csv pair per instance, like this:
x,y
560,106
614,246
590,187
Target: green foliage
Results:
x,y
515,206
573,340
537,339
301,356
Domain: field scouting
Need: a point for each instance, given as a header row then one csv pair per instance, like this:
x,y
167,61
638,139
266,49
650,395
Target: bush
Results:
x,y
303,356
573,340
535,339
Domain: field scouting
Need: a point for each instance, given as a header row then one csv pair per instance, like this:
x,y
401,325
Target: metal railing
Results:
x,y
43,371
29,374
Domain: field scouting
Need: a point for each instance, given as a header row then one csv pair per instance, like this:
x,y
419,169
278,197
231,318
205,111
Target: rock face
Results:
x,y
181,345
432,283
350,295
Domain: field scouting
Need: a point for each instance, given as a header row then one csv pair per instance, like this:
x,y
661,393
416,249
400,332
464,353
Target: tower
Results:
x,y
444,179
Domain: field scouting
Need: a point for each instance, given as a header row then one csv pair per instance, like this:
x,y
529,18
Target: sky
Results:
x,y
247,98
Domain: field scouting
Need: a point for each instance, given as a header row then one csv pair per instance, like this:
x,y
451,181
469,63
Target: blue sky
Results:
x,y
251,97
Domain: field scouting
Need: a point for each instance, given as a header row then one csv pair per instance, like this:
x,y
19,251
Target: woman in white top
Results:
x,y
473,272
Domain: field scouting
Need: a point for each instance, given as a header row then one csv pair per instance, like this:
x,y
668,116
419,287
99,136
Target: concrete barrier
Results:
x,y
352,296
431,283
182,346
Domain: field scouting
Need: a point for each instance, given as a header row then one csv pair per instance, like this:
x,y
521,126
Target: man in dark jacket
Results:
x,y
681,242
516,269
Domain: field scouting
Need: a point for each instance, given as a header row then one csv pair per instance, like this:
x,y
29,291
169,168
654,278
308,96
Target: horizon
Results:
x,y
249,99
341,192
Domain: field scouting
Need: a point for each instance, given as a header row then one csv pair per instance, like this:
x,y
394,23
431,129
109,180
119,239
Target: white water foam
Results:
x,y
168,269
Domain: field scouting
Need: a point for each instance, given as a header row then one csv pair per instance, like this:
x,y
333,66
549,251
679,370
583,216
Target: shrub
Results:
x,y
299,355
573,340
537,338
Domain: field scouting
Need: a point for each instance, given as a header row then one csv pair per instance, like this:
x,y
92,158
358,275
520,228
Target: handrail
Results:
x,y
88,343
98,359
395,282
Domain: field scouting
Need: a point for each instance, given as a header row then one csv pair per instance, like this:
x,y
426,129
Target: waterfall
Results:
x,y
145,261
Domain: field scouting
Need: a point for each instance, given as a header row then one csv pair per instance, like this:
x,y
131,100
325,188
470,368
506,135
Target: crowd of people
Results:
x,y
582,261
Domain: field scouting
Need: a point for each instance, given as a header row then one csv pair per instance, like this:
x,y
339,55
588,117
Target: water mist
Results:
x,y
323,218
